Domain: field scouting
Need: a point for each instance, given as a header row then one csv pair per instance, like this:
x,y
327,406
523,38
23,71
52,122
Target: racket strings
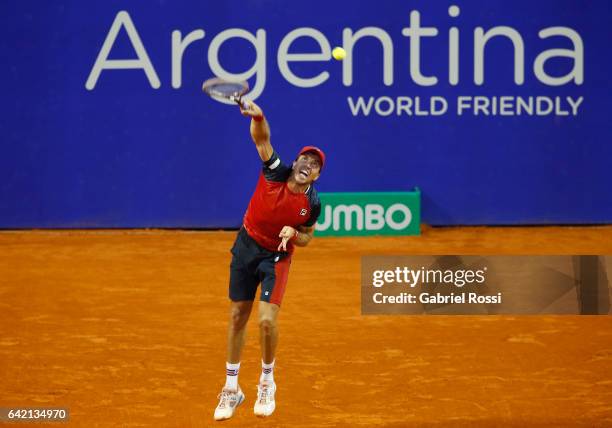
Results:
x,y
222,90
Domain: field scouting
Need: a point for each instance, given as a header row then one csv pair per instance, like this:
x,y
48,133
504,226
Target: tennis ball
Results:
x,y
338,53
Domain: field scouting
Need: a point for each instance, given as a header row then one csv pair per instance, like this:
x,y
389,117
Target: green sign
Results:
x,y
367,214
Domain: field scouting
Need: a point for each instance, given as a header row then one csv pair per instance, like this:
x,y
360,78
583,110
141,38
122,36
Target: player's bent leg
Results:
x,y
268,335
242,289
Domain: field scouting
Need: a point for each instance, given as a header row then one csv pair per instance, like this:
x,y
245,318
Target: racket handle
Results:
x,y
242,103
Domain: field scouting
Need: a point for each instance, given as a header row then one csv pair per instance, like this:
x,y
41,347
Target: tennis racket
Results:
x,y
225,90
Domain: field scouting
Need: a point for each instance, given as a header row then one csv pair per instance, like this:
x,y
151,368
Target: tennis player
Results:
x,y
281,215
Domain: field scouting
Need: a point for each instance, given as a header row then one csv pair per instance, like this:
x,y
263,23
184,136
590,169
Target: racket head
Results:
x,y
225,91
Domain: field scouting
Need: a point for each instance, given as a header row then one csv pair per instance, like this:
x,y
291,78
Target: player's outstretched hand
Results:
x,y
253,109
286,234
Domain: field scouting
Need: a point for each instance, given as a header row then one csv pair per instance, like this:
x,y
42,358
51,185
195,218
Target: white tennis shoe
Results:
x,y
265,404
229,400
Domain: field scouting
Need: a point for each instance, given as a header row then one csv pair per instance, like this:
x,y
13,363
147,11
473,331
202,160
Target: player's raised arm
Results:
x,y
260,131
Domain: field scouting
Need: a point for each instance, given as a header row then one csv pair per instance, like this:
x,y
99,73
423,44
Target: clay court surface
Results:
x,y
128,328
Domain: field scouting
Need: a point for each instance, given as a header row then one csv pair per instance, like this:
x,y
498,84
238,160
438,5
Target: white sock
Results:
x,y
231,375
267,372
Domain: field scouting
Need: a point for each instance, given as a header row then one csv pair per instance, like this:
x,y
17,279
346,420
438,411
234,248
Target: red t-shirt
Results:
x,y
273,206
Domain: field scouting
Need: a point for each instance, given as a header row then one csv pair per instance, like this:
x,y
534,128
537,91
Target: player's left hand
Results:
x,y
286,233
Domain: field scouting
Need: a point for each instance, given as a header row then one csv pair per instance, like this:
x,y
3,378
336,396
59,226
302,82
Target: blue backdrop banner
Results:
x,y
498,111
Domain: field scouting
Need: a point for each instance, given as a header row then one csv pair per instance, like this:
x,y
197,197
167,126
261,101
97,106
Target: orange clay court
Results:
x,y
128,328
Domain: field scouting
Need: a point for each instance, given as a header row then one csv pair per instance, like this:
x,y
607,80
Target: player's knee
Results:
x,y
239,317
267,324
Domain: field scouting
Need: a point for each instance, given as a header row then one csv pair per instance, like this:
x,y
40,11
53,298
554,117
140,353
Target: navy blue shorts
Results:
x,y
251,265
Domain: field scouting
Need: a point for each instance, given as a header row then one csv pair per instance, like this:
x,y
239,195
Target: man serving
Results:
x,y
281,215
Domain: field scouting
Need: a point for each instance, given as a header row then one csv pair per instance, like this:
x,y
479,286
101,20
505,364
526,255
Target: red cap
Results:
x,y
315,150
